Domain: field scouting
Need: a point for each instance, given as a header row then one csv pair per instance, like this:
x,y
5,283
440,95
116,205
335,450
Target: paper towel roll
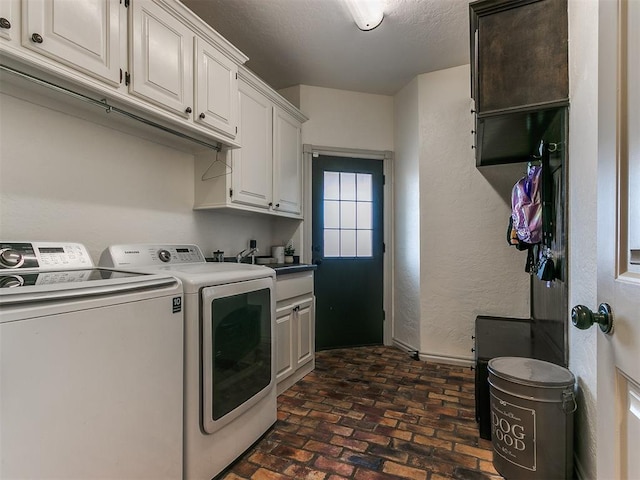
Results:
x,y
277,252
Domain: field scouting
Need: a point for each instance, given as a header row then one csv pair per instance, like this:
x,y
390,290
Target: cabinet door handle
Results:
x,y
4,23
277,205
270,204
37,38
188,110
202,115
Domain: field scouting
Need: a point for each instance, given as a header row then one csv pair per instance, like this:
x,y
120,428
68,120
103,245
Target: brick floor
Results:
x,y
373,413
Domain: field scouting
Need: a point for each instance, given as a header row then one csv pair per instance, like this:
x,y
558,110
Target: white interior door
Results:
x,y
619,239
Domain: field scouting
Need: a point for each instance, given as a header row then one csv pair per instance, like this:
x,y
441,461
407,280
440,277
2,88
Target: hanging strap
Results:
x,y
547,200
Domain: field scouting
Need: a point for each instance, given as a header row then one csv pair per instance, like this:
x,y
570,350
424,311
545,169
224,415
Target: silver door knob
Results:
x,y
582,317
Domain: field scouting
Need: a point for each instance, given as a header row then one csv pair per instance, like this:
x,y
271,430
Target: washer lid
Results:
x,y
530,371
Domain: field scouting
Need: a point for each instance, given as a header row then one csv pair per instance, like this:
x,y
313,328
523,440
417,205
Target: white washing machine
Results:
x,y
91,368
230,395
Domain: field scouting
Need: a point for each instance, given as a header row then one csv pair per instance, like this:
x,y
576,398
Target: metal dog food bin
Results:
x,y
532,405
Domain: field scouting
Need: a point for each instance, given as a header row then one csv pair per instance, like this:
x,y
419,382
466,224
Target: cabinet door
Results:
x,y
521,55
287,163
284,343
85,35
216,89
161,60
251,174
9,19
305,320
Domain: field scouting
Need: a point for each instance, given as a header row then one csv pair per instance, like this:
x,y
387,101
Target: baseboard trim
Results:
x,y
405,347
460,361
426,357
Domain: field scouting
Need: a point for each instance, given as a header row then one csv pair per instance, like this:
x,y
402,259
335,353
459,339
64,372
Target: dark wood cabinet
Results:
x,y
519,53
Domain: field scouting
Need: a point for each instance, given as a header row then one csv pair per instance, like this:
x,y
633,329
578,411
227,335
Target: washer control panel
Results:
x,y
147,255
43,256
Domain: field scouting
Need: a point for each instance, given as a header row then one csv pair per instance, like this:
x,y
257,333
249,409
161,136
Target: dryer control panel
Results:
x,y
43,256
148,255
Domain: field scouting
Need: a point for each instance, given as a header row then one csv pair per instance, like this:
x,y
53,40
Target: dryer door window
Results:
x,y
237,351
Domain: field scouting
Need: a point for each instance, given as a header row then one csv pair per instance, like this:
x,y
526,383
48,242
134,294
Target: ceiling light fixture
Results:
x,y
368,14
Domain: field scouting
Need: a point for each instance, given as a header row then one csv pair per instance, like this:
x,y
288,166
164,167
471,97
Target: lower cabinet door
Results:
x,y
284,342
305,333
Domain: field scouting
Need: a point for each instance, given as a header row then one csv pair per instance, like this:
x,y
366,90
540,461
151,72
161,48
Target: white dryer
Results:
x,y
90,368
230,395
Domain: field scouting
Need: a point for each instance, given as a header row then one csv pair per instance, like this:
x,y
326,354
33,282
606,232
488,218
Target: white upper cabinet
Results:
x,y
216,89
9,24
153,58
287,162
265,174
85,35
252,165
161,58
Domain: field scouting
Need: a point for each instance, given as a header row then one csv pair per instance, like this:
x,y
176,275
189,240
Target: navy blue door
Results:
x,y
347,246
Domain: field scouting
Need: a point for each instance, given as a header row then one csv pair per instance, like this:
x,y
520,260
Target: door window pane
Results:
x,y
364,215
347,186
331,186
332,243
347,243
331,214
347,214
364,243
348,218
364,187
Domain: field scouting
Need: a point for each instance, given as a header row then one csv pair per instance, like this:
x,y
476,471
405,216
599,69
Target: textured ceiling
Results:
x,y
316,42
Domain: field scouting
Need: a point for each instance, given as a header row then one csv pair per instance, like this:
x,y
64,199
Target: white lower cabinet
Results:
x,y
295,328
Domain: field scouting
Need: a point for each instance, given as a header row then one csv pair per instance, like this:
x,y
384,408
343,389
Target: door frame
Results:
x,y
311,151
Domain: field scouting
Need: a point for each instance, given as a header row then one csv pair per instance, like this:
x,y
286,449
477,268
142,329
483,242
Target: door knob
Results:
x,y
582,317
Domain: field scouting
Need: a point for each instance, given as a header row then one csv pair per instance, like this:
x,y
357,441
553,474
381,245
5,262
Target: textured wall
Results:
x,y
407,254
340,118
67,179
467,269
583,164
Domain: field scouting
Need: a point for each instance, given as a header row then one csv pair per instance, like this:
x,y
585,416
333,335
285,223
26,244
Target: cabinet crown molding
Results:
x,y
204,30
256,82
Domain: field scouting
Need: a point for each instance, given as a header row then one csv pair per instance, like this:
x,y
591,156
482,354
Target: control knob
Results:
x,y
164,255
10,258
11,281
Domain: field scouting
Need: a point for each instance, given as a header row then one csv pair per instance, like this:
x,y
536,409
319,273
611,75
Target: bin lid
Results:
x,y
530,371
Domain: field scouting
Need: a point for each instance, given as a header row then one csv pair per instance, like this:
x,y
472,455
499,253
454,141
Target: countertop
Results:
x,y
281,268
286,268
